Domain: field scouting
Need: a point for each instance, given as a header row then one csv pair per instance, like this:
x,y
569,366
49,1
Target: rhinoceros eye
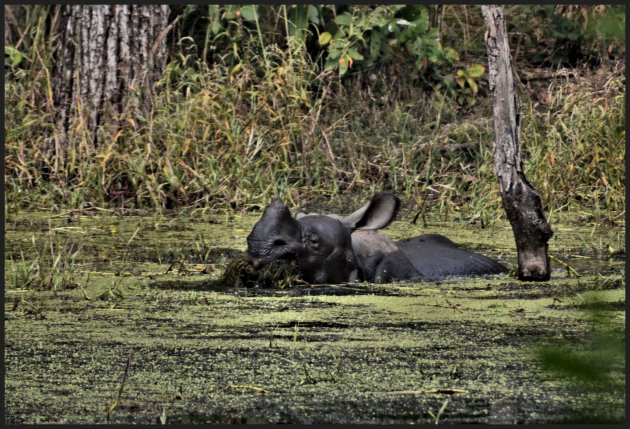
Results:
x,y
313,240
279,242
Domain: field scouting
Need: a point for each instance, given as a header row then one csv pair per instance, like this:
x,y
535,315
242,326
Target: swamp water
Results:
x,y
114,318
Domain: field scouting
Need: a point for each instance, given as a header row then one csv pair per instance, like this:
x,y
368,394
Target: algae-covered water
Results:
x,y
112,317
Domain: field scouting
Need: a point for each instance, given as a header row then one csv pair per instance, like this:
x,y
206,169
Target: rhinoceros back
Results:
x,y
436,257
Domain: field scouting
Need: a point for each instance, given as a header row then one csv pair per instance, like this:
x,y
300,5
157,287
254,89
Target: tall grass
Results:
x,y
232,137
53,267
576,148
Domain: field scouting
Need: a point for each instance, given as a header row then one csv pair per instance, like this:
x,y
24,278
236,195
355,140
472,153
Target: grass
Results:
x,y
435,417
225,138
49,267
574,148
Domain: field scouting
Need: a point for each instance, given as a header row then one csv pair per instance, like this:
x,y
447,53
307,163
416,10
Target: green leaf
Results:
x,y
461,81
216,26
343,65
14,56
325,38
313,14
229,15
339,41
333,53
236,69
476,70
230,11
472,84
379,17
248,12
212,9
354,54
344,19
422,22
214,16
331,64
451,55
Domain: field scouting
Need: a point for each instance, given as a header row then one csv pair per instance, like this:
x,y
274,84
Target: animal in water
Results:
x,y
333,249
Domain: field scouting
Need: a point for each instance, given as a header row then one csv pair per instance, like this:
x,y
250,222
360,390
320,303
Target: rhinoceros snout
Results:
x,y
255,262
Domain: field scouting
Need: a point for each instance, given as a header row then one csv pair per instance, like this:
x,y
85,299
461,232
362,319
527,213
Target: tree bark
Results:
x,y
108,61
521,201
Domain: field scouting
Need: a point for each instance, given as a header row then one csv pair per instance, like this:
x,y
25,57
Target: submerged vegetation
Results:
x,y
278,274
323,103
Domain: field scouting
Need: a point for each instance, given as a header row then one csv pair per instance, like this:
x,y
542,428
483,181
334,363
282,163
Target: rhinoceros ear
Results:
x,y
376,214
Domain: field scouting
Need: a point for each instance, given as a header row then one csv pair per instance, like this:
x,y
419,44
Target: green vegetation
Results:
x,y
133,343
52,267
331,103
278,274
118,311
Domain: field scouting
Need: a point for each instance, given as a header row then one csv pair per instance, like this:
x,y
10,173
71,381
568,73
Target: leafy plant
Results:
x,y
464,85
383,35
12,57
245,112
566,34
343,47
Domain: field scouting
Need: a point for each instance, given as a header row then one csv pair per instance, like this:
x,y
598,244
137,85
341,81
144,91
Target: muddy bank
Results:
x,y
457,351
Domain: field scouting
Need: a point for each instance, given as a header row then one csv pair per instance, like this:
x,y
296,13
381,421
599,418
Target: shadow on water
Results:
x,y
592,364
198,419
292,291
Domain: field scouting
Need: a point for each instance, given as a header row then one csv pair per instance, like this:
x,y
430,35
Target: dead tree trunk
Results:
x,y
521,201
108,61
